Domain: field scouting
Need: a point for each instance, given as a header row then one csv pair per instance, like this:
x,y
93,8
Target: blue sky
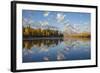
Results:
x,y
80,21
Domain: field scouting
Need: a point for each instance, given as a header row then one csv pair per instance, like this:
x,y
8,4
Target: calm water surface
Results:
x,y
56,50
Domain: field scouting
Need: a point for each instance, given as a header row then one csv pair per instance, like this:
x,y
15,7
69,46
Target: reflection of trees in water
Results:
x,y
39,46
68,45
40,43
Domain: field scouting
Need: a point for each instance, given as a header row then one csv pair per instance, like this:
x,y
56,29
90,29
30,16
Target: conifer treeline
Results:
x,y
31,32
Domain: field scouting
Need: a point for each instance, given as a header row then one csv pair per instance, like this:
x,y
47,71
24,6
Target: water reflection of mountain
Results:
x,y
40,43
55,49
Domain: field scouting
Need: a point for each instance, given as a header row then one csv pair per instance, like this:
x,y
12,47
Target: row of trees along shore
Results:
x,y
31,32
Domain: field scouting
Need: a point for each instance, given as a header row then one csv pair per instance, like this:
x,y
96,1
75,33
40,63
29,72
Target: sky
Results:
x,y
78,20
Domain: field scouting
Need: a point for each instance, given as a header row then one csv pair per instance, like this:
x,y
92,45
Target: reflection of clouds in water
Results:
x,y
75,45
44,49
46,13
45,58
84,46
66,49
63,50
27,52
86,50
36,50
60,56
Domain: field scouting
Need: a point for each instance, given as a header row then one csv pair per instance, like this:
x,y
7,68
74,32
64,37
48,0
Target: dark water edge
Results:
x,y
39,38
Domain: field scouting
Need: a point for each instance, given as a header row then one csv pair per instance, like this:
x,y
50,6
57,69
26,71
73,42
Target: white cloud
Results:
x,y
60,17
46,13
26,22
43,23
